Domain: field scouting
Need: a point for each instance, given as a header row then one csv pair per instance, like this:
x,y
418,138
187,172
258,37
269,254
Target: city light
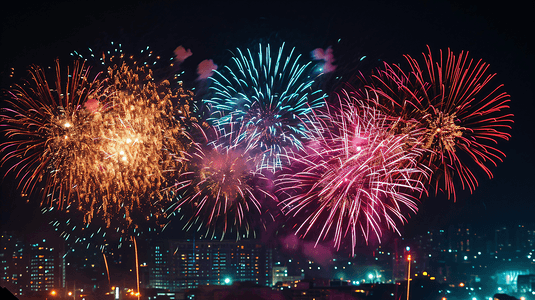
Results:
x,y
370,274
408,275
86,150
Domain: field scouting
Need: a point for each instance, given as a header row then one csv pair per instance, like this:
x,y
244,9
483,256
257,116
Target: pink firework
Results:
x,y
459,116
221,191
355,178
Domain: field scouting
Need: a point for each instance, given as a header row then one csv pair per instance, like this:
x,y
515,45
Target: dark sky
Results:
x,y
498,32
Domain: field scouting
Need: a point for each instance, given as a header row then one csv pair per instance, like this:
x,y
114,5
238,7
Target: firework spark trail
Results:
x,y
112,147
140,145
460,116
223,190
355,176
270,96
105,148
47,128
70,225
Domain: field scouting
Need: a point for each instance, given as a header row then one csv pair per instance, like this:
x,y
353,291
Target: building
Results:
x,y
47,266
525,239
31,266
501,240
13,261
178,264
526,283
280,275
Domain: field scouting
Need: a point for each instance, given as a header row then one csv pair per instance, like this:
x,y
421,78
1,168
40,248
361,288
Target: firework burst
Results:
x,y
222,192
106,148
140,145
355,177
270,96
459,115
46,127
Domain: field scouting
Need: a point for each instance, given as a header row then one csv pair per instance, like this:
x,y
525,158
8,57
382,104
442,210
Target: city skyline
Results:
x,y
455,256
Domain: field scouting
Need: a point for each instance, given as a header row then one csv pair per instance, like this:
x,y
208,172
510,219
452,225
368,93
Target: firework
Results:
x,y
459,115
47,128
140,145
222,192
70,225
270,96
355,178
108,149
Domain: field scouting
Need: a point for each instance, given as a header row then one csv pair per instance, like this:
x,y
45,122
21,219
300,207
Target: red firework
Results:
x,y
458,115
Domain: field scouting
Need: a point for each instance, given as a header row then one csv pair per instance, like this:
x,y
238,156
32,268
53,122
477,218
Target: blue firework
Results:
x,y
267,97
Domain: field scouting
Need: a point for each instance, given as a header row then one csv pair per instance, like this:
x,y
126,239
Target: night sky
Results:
x,y
500,35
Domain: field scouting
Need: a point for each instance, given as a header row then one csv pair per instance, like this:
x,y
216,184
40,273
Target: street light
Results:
x,y
409,276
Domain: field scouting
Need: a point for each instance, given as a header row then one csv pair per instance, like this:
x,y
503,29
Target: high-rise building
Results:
x,y
47,266
501,240
177,264
525,239
13,261
27,267
460,238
